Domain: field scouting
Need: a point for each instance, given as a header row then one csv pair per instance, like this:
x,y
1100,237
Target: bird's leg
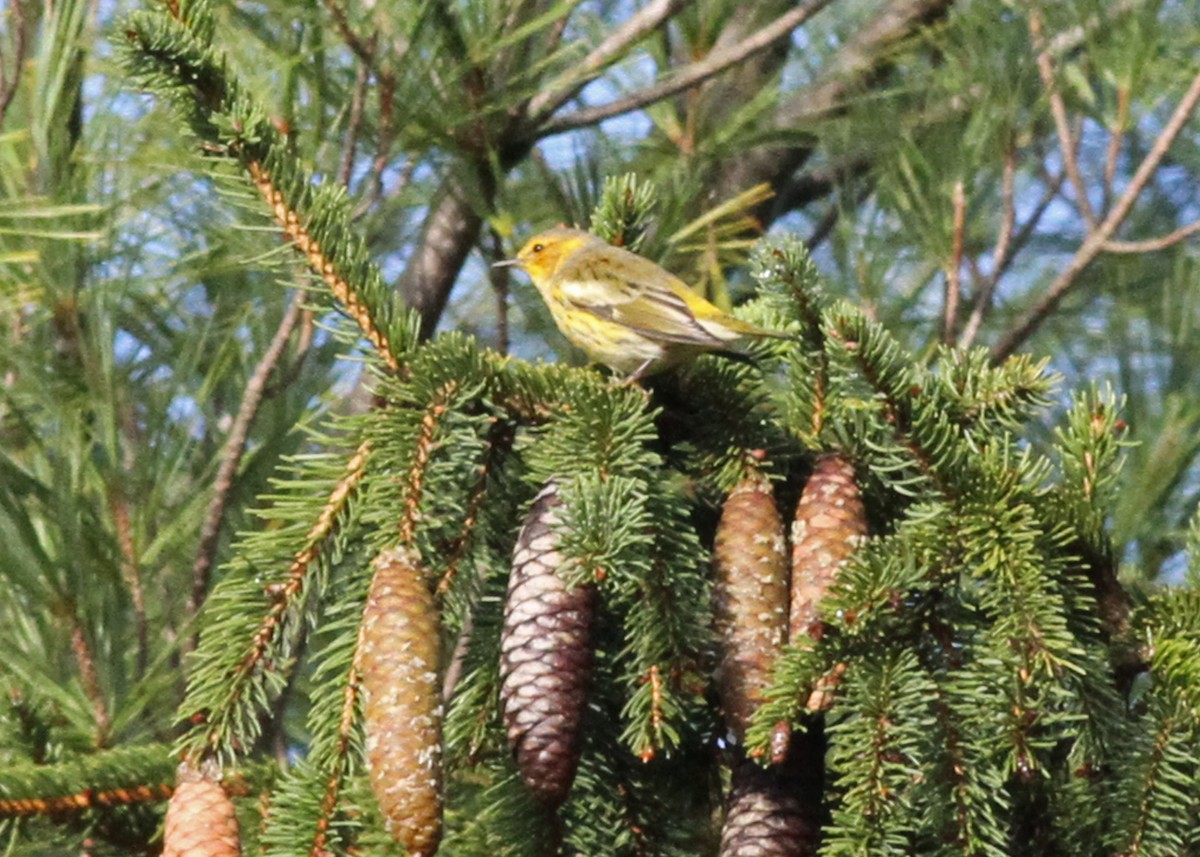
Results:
x,y
636,375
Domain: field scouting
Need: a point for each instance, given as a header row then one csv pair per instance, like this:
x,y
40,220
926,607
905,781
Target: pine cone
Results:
x,y
775,812
749,597
200,816
545,656
402,709
830,523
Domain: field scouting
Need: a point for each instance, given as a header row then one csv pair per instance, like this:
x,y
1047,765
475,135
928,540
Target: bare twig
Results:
x,y
1067,141
1116,137
364,49
231,455
500,280
1094,243
1151,245
118,505
983,297
354,124
9,86
713,64
558,92
1008,209
85,659
954,265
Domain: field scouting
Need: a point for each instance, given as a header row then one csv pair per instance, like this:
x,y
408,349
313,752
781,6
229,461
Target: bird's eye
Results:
x,y
538,248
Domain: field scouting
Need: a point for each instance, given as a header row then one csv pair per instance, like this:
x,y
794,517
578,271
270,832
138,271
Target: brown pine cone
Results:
x,y
830,524
200,817
545,656
776,811
749,597
402,708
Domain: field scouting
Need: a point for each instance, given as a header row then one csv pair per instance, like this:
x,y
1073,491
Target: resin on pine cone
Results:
x,y
749,597
545,656
398,657
200,816
829,526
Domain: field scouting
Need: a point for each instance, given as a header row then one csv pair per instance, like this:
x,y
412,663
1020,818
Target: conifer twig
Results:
x,y
1003,259
333,786
85,660
1152,245
1067,141
118,506
690,75
1115,138
289,221
283,594
1095,241
353,124
558,92
9,86
421,452
231,456
954,265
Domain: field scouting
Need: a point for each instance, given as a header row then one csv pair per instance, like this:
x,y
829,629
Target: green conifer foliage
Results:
x,y
981,684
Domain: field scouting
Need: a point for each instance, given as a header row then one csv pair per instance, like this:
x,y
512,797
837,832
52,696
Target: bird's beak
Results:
x,y
506,263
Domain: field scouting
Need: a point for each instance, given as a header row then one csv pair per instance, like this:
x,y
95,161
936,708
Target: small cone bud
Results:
x,y
200,816
545,656
749,598
402,708
830,524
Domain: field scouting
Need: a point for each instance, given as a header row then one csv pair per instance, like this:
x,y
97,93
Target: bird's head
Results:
x,y
544,252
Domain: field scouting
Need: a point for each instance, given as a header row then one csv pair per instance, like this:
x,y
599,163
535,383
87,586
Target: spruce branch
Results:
x,y
339,761
176,59
124,776
222,688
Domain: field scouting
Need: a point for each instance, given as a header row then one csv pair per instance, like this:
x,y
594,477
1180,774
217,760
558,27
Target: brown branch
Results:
x,y
1152,245
954,265
333,787
558,92
289,221
1094,243
9,86
447,236
862,59
118,506
1067,141
691,75
1115,138
500,278
231,456
426,441
983,299
85,660
363,49
354,124
1008,208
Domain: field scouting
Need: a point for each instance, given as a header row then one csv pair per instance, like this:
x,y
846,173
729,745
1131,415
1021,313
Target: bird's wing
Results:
x,y
636,297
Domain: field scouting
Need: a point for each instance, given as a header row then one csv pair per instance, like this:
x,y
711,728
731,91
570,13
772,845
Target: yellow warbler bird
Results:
x,y
622,309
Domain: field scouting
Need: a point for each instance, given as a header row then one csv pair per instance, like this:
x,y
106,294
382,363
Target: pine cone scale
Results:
x,y
545,657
